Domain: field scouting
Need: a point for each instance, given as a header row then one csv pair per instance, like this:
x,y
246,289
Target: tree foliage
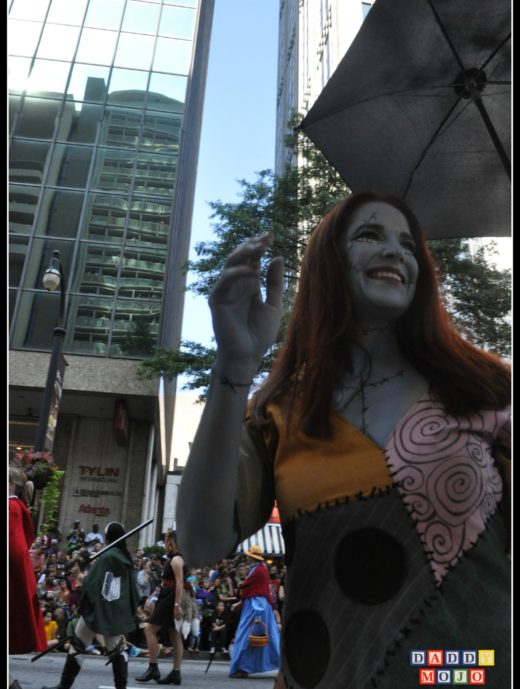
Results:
x,y
476,293
192,360
290,205
50,500
139,341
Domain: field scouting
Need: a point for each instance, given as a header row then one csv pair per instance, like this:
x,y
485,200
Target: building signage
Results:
x,y
55,404
96,490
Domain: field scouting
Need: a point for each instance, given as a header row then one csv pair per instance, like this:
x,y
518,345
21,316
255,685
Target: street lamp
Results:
x,y
52,278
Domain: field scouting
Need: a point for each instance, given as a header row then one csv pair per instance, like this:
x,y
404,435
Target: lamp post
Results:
x,y
52,278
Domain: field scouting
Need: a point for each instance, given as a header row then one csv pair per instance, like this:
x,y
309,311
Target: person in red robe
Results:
x,y
26,627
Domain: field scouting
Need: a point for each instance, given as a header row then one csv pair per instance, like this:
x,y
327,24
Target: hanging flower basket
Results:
x,y
41,469
38,466
41,474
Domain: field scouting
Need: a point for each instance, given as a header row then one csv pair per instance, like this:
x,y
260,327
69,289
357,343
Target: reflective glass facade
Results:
x,y
97,92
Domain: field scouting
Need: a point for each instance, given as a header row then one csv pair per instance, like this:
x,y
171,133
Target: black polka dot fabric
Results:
x,y
370,566
358,575
307,647
289,535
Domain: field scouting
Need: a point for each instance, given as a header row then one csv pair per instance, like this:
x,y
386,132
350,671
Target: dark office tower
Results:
x,y
105,109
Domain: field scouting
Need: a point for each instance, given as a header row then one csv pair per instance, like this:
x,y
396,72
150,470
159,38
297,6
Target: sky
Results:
x,y
238,126
237,141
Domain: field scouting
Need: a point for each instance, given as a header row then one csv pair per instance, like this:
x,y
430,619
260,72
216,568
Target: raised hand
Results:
x,y
245,325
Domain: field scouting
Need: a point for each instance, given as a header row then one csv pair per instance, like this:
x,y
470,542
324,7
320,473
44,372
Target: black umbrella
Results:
x,y
420,108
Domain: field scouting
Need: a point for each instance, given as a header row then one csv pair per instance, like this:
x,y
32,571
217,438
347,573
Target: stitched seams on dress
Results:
x,y
421,503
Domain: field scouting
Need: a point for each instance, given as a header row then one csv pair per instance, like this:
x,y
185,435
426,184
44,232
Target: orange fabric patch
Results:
x,y
311,471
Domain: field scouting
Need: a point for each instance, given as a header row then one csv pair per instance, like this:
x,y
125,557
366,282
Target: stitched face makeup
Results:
x,y
380,254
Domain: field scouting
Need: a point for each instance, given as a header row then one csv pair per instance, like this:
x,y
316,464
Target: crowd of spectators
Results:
x,y
61,563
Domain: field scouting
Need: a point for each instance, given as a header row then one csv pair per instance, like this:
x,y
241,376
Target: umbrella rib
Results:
x,y
494,136
342,108
426,148
499,46
444,33
491,130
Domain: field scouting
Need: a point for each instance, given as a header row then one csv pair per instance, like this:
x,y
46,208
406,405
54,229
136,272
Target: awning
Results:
x,y
269,538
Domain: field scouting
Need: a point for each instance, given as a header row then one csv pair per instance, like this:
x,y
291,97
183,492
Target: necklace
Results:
x,y
361,391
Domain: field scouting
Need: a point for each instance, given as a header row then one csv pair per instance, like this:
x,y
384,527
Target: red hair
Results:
x,y
317,351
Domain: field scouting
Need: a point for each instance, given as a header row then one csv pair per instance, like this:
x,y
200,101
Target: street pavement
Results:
x,y
96,675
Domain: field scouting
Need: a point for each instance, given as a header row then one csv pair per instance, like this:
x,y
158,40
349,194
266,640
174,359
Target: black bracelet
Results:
x,y
225,381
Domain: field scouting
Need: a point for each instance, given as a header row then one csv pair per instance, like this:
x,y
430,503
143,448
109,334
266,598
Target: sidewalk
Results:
x,y
200,655
204,655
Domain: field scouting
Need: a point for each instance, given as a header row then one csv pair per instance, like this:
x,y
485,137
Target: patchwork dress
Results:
x,y
389,549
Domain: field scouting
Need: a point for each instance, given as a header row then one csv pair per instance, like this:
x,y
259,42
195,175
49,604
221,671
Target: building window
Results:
x,y
366,7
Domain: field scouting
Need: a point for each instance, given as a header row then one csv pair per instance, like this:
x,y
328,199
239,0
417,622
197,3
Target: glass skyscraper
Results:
x,y
97,93
103,96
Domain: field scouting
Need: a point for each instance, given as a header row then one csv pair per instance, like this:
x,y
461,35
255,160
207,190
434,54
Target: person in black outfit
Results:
x,y
167,611
218,634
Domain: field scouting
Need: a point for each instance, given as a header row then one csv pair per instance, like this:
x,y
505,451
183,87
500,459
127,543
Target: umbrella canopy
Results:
x,y
420,108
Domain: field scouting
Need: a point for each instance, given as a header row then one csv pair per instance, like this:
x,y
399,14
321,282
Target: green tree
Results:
x,y
290,206
50,500
192,360
476,293
139,341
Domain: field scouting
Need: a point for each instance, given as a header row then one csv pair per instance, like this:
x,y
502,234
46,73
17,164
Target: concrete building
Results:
x,y
105,110
314,35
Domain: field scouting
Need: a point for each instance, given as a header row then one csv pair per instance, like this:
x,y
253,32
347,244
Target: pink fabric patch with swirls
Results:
x,y
446,474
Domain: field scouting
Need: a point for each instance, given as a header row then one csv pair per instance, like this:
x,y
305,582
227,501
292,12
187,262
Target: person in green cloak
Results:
x,y
107,606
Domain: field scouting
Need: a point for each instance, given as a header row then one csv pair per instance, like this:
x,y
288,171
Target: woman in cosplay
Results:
x,y
107,606
383,436
173,605
257,618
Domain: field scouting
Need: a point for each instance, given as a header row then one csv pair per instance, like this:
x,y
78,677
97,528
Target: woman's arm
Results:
x,y
177,565
245,327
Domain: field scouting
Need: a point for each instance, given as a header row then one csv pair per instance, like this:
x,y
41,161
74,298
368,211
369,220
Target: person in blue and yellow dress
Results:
x,y
257,619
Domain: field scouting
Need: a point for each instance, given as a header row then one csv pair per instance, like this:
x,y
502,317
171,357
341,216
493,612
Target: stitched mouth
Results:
x,y
386,274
